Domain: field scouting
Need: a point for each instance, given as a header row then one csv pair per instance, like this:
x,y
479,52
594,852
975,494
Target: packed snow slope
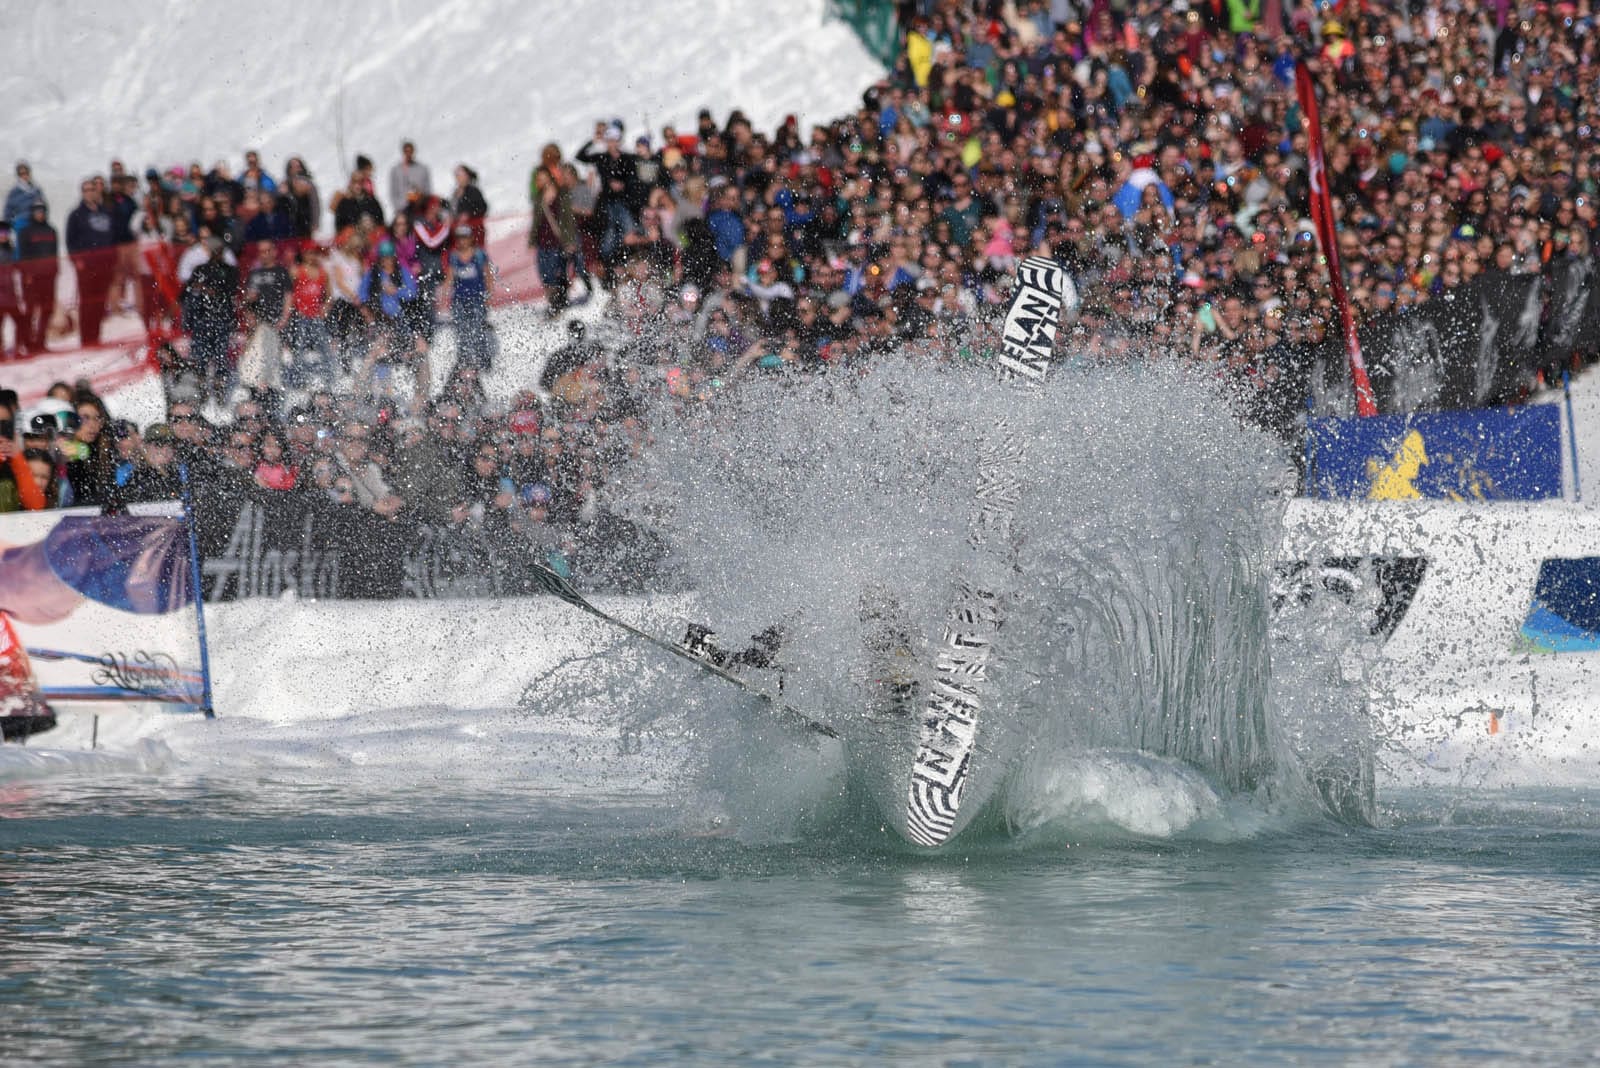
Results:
x,y
486,82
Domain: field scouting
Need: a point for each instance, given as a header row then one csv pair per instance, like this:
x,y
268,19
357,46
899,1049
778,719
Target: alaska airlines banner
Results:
x,y
1486,454
1565,614
94,609
313,548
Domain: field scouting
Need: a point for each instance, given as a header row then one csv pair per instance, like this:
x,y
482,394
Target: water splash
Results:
x,y
1145,552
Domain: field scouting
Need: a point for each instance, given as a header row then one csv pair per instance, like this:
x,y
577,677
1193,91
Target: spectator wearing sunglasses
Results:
x,y
155,473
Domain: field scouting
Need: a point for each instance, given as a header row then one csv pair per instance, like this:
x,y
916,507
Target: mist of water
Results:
x,y
1139,683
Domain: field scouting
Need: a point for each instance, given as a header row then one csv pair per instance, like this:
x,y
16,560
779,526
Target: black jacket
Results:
x,y
208,296
470,204
38,241
618,174
350,210
89,229
152,484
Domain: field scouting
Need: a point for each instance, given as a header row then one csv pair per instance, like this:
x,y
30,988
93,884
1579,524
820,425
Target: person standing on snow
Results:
x,y
431,233
469,274
10,294
209,314
123,203
410,183
91,244
555,232
467,205
618,172
38,251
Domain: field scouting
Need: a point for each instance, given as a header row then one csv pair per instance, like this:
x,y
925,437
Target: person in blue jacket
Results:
x,y
727,226
387,289
21,198
469,274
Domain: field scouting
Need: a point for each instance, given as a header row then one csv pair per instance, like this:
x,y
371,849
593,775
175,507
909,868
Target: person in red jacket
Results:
x,y
38,252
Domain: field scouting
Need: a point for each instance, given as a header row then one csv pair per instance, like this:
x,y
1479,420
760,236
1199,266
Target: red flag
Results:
x,y
18,686
1322,216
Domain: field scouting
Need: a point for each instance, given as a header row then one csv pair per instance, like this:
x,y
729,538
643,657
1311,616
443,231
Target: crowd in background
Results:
x,y
209,256
371,472
1154,149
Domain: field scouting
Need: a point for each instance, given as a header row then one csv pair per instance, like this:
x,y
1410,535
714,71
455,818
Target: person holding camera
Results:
x,y
19,490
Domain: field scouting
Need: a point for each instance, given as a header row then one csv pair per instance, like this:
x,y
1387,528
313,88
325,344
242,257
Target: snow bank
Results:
x,y
486,82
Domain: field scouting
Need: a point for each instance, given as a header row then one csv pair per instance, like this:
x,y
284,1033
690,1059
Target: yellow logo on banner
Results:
x,y
1397,479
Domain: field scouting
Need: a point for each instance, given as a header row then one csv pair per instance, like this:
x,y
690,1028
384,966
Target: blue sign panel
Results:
x,y
1565,614
1482,454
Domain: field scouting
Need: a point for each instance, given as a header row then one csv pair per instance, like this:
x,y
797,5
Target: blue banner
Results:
x,y
1565,614
1483,454
133,564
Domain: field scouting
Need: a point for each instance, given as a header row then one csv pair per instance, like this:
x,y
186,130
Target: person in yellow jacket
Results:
x,y
919,53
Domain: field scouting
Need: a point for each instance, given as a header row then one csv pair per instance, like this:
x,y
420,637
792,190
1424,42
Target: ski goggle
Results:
x,y
60,422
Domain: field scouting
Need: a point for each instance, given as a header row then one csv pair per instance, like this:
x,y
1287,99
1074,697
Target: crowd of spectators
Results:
x,y
235,267
1155,149
367,475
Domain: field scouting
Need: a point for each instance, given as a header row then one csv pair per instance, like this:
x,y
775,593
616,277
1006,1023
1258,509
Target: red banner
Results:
x,y
1322,217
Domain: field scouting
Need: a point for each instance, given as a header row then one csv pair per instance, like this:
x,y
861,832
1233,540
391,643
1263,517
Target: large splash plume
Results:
x,y
1140,650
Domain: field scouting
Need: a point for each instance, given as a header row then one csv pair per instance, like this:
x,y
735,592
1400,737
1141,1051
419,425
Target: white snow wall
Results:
x,y
486,82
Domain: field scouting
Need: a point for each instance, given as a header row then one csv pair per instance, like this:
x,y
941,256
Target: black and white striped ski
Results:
x,y
954,702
